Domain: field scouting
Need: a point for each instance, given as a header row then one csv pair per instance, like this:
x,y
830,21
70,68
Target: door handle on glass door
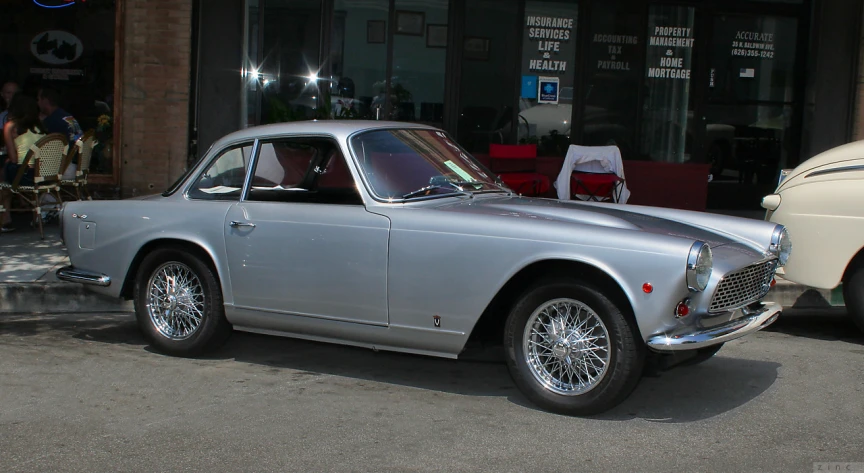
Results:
x,y
236,224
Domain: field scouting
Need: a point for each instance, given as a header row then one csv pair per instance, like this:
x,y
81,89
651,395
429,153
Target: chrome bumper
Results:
x,y
70,274
755,318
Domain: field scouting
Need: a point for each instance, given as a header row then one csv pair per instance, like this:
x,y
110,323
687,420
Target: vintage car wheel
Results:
x,y
571,350
178,303
853,294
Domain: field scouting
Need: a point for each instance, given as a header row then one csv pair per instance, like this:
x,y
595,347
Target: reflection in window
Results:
x,y
548,69
419,62
667,125
284,75
486,91
358,58
224,179
613,76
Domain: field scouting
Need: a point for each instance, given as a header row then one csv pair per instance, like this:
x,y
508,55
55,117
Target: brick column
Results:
x,y
155,79
858,128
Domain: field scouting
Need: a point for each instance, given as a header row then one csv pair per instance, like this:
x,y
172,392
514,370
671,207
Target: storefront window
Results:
x,y
750,91
667,123
613,76
548,71
488,74
283,78
358,58
70,50
419,61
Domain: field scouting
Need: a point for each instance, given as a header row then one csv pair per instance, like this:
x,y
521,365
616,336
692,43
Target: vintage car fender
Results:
x,y
820,203
121,235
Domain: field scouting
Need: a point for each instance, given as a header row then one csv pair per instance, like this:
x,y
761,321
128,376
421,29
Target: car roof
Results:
x,y
341,129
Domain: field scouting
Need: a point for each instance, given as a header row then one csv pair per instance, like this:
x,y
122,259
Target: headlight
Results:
x,y
700,263
781,244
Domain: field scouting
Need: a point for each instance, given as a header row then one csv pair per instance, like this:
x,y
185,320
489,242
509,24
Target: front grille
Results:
x,y
739,288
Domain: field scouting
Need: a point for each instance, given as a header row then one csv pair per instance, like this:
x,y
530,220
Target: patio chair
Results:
x,y
593,173
45,157
83,148
517,167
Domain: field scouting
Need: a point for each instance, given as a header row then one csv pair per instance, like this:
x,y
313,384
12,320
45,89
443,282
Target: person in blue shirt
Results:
x,y
57,120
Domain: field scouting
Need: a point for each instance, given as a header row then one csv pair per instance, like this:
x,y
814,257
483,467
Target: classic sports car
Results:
x,y
820,201
391,236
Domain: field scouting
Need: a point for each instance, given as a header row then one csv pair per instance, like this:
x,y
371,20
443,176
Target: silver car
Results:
x,y
391,236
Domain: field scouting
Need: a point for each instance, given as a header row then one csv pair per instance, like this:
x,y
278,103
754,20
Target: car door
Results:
x,y
301,242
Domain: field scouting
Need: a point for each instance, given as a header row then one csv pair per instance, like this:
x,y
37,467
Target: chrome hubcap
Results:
x,y
175,301
566,347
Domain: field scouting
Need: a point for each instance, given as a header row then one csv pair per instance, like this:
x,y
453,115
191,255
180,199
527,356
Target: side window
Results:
x,y
303,170
224,179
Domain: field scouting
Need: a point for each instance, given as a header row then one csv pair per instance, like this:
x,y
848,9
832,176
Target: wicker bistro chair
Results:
x,y
83,148
45,156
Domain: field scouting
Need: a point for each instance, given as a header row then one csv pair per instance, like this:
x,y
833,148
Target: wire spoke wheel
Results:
x,y
175,301
566,347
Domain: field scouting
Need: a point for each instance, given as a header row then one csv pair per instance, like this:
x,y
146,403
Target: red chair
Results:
x,y
597,187
517,167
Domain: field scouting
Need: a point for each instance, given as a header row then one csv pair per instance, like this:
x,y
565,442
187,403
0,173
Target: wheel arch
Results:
x,y
854,262
490,325
127,291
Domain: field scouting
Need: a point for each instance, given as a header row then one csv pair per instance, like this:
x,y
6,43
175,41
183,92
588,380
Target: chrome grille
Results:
x,y
739,288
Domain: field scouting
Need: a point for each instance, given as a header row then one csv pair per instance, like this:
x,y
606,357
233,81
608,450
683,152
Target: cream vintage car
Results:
x,y
820,202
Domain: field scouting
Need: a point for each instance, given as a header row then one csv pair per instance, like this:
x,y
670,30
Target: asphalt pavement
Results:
x,y
86,393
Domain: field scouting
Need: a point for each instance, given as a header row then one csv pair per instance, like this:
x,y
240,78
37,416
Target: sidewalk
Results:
x,y
28,282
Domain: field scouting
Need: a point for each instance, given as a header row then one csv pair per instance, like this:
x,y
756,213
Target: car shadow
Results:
x,y
822,324
692,393
686,394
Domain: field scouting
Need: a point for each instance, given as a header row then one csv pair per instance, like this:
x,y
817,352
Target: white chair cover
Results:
x,y
597,159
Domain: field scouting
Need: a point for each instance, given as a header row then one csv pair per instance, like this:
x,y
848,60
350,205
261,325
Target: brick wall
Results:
x,y
157,51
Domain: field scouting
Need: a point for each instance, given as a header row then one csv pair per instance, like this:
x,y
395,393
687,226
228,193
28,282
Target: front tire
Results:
x,y
571,350
178,303
853,294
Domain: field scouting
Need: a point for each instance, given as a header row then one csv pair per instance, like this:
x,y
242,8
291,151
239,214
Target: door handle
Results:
x,y
235,224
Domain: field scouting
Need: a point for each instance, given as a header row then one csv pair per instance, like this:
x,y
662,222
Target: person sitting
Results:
x,y
57,120
22,130
7,92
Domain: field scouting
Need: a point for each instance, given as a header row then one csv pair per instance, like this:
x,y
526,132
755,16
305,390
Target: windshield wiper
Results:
x,y
423,190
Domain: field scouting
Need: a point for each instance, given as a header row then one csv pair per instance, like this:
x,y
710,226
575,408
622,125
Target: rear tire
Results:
x,y
178,303
571,350
853,294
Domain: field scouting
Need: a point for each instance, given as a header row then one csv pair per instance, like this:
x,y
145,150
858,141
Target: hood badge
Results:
x,y
79,216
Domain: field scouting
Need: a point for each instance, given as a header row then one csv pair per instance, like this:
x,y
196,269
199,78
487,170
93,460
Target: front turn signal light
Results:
x,y
771,202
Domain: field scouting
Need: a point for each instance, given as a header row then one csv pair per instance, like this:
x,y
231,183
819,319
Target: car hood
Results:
x,y
604,215
835,157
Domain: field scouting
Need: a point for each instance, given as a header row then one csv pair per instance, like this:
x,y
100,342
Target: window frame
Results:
x,y
196,177
253,166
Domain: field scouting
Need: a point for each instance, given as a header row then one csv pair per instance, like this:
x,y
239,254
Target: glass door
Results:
x,y
749,109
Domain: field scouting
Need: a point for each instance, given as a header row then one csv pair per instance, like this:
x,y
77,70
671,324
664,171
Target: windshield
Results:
x,y
412,163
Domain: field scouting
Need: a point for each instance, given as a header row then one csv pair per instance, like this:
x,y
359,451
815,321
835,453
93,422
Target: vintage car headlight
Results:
x,y
700,263
781,244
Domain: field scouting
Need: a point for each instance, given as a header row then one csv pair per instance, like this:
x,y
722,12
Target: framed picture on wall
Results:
x,y
436,36
476,48
410,22
376,31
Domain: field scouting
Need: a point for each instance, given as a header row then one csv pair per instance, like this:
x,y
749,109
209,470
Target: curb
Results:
x,y
54,297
